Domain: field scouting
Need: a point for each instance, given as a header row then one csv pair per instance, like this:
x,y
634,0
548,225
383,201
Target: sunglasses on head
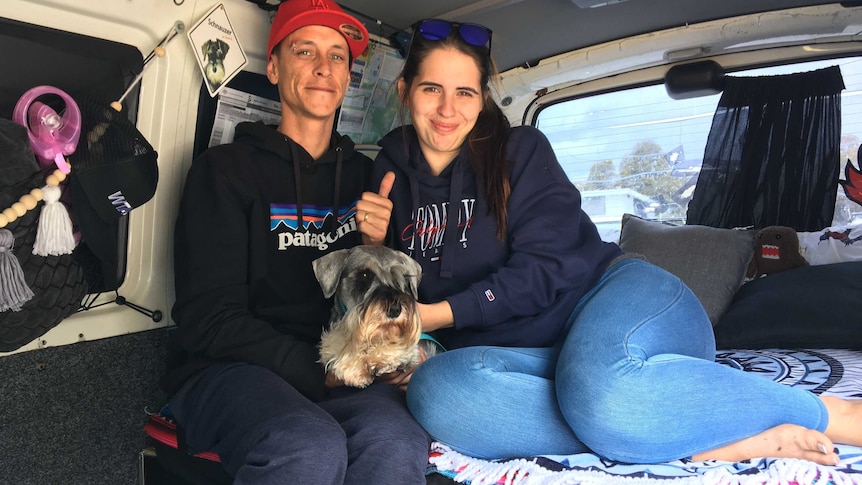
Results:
x,y
437,29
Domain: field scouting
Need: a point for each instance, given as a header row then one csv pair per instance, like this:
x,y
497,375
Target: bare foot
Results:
x,y
845,420
784,441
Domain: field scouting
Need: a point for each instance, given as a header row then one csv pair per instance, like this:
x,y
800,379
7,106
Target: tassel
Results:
x,y
14,291
54,236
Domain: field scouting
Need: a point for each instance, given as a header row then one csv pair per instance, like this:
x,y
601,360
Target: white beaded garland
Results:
x,y
11,216
29,201
19,208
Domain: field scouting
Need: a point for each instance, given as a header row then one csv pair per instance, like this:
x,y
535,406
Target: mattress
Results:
x,y
823,371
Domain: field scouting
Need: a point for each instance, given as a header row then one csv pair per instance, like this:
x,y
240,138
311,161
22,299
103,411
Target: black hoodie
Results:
x,y
254,214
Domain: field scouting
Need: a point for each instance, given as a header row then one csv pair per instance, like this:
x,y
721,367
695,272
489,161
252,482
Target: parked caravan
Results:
x,y
720,141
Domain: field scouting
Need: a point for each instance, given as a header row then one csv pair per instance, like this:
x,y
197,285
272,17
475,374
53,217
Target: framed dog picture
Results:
x,y
217,49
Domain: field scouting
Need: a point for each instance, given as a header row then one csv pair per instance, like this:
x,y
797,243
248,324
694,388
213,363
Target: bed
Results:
x,y
801,327
823,371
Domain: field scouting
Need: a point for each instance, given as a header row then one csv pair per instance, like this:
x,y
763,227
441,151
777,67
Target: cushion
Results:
x,y
709,260
837,244
809,307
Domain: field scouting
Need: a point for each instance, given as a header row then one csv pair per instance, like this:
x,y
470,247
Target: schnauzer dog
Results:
x,y
374,328
214,52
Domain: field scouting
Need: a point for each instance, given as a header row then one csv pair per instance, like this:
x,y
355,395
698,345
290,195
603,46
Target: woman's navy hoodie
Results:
x,y
254,214
518,292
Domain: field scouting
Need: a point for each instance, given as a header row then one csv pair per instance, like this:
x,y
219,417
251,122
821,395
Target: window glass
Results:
x,y
639,151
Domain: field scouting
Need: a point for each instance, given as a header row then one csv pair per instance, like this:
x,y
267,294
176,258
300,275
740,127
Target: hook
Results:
x,y
158,51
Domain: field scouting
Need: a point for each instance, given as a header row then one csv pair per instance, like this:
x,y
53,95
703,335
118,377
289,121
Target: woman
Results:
x,y
558,345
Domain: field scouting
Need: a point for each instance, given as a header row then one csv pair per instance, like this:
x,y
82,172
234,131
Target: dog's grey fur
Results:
x,y
374,328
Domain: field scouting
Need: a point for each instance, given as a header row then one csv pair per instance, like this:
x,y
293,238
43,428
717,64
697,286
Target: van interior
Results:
x,y
634,96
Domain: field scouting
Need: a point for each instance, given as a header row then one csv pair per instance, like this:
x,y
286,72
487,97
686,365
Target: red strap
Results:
x,y
165,432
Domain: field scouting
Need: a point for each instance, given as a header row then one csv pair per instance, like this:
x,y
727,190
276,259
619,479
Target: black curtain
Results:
x,y
772,155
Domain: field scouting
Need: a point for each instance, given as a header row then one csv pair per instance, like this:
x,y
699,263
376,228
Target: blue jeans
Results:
x,y
265,432
634,380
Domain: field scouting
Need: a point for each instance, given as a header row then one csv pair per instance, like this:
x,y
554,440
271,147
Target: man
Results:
x,y
244,377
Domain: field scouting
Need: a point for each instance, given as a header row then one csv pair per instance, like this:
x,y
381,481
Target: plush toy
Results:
x,y
776,249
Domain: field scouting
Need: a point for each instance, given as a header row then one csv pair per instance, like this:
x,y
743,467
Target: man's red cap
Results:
x,y
295,14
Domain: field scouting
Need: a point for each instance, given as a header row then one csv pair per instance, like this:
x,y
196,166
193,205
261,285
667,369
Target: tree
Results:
x,y
603,175
845,209
849,147
647,171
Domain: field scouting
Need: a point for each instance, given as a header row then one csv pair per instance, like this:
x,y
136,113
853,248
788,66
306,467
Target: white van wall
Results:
x,y
167,115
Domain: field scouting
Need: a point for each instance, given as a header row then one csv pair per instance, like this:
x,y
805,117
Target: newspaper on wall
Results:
x,y
371,106
236,106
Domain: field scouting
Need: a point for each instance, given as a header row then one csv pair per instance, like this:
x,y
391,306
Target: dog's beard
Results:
x,y
215,72
367,342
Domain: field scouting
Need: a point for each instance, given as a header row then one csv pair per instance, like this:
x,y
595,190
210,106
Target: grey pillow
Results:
x,y
709,260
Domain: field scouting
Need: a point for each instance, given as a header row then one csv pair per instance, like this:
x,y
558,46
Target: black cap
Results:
x,y
114,170
114,166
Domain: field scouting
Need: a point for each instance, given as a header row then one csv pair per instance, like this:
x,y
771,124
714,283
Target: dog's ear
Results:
x,y
205,47
413,272
327,270
223,45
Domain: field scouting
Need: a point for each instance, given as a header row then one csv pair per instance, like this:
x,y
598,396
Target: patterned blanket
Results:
x,y
835,372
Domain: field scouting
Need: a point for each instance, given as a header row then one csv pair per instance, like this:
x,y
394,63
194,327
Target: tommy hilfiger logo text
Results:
x,y
432,221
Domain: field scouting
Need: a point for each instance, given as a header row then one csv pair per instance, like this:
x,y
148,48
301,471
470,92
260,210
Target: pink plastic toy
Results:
x,y
52,136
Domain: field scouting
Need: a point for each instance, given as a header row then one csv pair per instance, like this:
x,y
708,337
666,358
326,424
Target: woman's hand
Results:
x,y
332,381
374,210
402,378
435,316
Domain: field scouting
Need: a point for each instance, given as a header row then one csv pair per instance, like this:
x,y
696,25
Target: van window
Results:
x,y
639,151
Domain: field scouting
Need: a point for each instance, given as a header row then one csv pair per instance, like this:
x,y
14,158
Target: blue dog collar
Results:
x,y
426,336
341,305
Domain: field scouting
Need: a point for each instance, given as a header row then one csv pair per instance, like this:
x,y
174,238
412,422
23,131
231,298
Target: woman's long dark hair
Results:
x,y
486,142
